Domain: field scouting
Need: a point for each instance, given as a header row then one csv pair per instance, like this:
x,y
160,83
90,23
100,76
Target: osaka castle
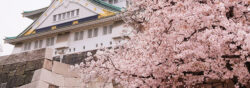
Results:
x,y
61,35
70,26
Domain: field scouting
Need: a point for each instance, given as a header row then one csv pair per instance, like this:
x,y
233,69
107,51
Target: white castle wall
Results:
x,y
77,46
70,46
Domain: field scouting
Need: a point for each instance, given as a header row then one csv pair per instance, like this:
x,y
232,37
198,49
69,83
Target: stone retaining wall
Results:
x,y
20,73
18,69
75,58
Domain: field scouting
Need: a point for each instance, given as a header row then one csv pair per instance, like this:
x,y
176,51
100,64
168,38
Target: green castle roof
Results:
x,y
106,5
96,2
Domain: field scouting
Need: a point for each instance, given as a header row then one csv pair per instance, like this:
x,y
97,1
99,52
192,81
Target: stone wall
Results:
x,y
20,73
18,69
23,57
75,58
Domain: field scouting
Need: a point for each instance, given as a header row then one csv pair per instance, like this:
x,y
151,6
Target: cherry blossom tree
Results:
x,y
177,43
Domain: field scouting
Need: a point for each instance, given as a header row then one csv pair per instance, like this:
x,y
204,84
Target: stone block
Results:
x,y
42,84
35,84
63,69
49,53
48,77
20,69
72,82
30,66
39,63
20,80
48,64
3,78
28,76
11,82
12,73
6,68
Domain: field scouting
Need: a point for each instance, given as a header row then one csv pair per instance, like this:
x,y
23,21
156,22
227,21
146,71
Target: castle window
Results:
x,y
63,15
50,41
90,33
36,44
76,36
72,13
96,32
96,45
68,14
40,43
110,43
79,35
110,29
77,12
105,30
54,18
59,16
27,46
83,47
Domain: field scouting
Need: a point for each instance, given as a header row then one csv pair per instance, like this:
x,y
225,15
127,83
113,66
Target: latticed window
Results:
x,y
96,32
79,35
50,41
72,13
54,18
76,36
36,44
68,14
77,12
90,33
40,43
105,30
27,46
110,29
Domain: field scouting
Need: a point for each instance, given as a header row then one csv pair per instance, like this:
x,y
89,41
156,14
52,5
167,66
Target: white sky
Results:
x,y
11,20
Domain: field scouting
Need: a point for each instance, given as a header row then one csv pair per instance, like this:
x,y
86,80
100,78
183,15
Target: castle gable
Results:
x,y
66,12
63,13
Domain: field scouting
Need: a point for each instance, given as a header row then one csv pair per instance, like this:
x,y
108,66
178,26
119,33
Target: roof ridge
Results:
x,y
35,10
106,5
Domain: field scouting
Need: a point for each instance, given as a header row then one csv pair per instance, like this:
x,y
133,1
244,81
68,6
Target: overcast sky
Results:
x,y
11,20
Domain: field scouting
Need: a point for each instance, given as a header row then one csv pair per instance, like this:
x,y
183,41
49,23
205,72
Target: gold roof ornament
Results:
x,y
106,13
29,32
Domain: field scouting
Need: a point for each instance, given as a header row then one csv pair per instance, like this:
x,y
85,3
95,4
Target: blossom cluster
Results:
x,y
178,43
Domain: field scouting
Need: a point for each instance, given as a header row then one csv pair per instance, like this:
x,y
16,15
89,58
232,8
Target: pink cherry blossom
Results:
x,y
177,42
